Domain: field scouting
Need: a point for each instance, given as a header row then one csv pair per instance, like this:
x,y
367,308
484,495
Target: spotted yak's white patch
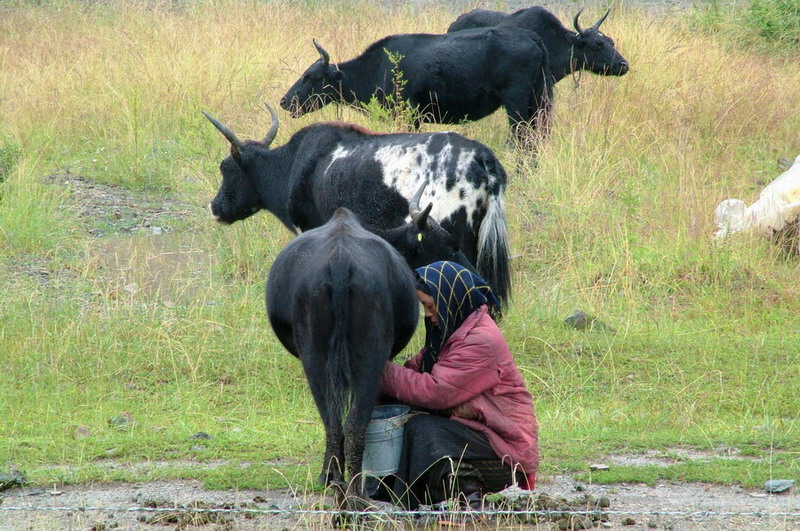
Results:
x,y
339,153
406,166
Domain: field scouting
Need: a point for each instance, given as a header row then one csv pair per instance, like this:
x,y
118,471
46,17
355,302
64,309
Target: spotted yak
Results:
x,y
329,165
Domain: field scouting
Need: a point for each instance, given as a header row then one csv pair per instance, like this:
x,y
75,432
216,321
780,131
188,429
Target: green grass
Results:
x,y
614,219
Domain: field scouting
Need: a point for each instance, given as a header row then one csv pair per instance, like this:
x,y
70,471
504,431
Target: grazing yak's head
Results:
x,y
237,197
423,241
317,87
594,51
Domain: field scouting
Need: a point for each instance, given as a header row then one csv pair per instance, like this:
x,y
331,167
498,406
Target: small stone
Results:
x,y
577,319
81,432
652,524
603,501
628,521
157,230
121,422
200,435
133,287
581,320
13,479
259,499
599,467
776,486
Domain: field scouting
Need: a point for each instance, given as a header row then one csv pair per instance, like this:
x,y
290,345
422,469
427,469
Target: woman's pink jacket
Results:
x,y
475,369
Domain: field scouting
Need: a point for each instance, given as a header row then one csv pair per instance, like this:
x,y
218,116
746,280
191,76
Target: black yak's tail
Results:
x,y
339,367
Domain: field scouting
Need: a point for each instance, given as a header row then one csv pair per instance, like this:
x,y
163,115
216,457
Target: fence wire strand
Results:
x,y
401,513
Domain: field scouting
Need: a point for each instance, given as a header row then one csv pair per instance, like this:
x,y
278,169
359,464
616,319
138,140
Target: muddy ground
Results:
x,y
642,507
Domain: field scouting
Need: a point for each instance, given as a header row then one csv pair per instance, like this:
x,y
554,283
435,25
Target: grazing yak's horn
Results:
x,y
602,19
227,133
325,56
273,129
575,22
419,218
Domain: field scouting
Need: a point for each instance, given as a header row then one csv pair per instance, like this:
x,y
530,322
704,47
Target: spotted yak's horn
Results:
x,y
273,129
227,133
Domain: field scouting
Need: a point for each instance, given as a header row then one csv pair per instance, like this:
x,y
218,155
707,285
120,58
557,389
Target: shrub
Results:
x,y
396,109
769,25
774,20
10,152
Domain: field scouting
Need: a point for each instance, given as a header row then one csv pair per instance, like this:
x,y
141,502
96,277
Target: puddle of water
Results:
x,y
174,268
673,456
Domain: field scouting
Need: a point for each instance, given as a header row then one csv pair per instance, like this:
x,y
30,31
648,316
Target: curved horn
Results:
x,y
413,203
325,56
420,219
227,133
602,19
575,22
273,129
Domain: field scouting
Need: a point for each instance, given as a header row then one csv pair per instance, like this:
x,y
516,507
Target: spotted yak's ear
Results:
x,y
237,156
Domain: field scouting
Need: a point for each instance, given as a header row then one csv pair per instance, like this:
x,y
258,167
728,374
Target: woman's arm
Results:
x,y
468,369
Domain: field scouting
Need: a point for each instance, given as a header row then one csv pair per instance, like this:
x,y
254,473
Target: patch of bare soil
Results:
x,y
107,209
635,507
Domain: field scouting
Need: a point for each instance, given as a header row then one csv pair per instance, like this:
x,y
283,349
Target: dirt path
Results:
x,y
642,499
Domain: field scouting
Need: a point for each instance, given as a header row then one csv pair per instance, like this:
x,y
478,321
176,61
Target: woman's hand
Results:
x,y
464,411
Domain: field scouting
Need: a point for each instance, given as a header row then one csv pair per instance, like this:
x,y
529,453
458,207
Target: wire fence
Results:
x,y
402,513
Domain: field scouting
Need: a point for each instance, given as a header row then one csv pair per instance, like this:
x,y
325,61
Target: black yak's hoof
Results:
x,y
353,511
356,503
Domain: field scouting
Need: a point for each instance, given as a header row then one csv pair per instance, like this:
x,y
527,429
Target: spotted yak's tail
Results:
x,y
493,254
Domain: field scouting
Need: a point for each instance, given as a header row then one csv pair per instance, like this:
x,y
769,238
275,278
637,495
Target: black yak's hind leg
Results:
x,y
366,382
333,462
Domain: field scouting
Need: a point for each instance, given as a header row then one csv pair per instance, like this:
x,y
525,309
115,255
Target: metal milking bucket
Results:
x,y
383,440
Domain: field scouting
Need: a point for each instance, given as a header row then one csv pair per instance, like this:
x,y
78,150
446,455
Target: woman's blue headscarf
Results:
x,y
457,292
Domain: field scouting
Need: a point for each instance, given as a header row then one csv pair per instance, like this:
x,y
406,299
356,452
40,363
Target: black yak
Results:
x,y
342,300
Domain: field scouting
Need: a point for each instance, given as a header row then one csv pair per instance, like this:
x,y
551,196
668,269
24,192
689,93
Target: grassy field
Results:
x,y
102,315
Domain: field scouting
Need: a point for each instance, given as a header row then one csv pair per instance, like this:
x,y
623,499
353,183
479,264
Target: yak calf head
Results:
x,y
423,240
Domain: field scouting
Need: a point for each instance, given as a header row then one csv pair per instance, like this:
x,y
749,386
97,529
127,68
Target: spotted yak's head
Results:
x,y
237,197
594,51
317,87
